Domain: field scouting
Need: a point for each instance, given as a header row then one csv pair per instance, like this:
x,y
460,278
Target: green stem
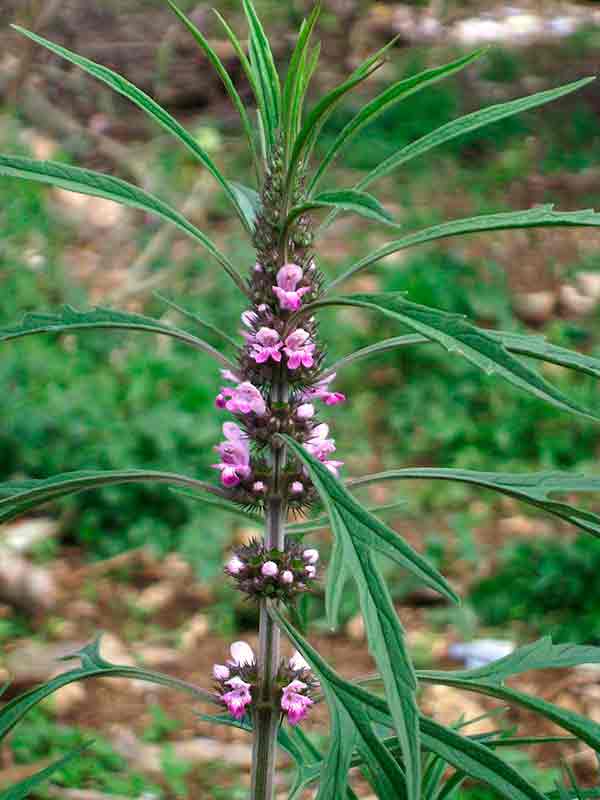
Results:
x,y
266,715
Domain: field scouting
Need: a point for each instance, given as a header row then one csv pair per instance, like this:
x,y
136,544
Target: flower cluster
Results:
x,y
275,349
276,574
236,680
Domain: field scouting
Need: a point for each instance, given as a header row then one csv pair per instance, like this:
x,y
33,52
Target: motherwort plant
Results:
x,y
278,456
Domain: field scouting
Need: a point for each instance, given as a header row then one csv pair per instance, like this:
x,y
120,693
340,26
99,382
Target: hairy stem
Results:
x,y
266,715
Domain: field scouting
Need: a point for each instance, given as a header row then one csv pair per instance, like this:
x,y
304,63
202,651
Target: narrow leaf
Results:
x,y
366,528
86,181
522,344
19,496
538,217
467,124
537,489
249,202
296,79
21,790
457,335
361,203
393,94
299,529
266,76
386,771
185,312
92,666
225,78
69,320
141,100
224,505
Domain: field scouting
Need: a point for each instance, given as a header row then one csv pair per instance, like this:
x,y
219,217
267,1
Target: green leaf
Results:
x,y
227,83
522,344
266,77
17,497
299,529
390,780
316,118
364,527
477,760
542,654
141,100
535,488
457,335
470,122
584,729
92,666
249,202
361,203
69,320
538,217
21,790
86,181
342,739
393,94
298,75
198,321
357,534
224,505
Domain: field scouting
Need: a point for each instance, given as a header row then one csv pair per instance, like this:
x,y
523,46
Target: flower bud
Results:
x,y
221,672
311,556
242,654
269,569
287,576
310,571
298,663
258,487
235,565
305,411
296,488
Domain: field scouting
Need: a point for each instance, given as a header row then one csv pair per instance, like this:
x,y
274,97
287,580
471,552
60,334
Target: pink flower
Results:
x,y
269,569
296,487
305,411
310,570
235,565
320,391
242,655
220,672
235,456
259,487
294,703
311,556
245,398
288,278
238,698
287,576
320,447
299,349
266,344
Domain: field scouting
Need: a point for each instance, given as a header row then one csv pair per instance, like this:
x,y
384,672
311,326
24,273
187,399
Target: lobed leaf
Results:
x,y
16,497
141,100
86,181
538,217
92,666
522,344
477,760
21,790
353,528
69,320
393,94
366,528
536,489
457,335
